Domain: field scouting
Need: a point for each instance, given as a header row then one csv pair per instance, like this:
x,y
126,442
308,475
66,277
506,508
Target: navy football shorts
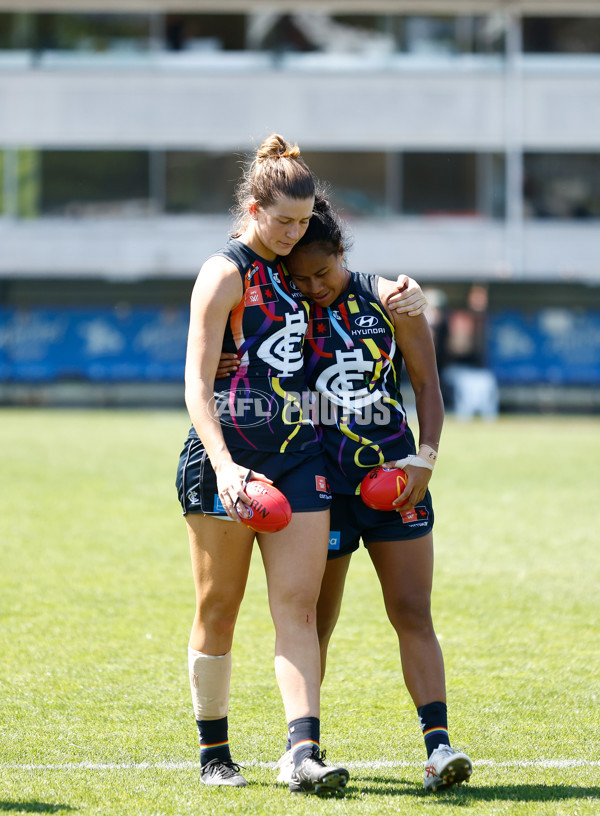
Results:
x,y
301,477
352,520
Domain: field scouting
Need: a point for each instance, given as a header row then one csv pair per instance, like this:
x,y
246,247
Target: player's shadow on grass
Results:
x,y
468,794
33,807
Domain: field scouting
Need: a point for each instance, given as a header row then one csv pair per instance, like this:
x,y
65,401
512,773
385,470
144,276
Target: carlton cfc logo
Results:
x,y
366,321
283,349
347,381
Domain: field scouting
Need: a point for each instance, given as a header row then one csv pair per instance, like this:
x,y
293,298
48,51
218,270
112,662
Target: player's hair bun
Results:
x,y
277,170
321,205
276,147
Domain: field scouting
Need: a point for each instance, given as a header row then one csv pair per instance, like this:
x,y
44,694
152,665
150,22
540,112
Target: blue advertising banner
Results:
x,y
101,344
557,346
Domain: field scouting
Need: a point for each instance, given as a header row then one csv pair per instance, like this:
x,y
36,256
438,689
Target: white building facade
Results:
x,y
461,138
488,112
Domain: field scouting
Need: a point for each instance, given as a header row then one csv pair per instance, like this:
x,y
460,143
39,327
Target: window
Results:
x,y
464,34
430,35
282,33
439,183
279,32
489,34
93,32
205,32
95,183
561,35
16,31
28,183
367,32
491,184
357,180
201,182
561,185
452,184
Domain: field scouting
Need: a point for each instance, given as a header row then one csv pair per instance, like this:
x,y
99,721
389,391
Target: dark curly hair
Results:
x,y
325,228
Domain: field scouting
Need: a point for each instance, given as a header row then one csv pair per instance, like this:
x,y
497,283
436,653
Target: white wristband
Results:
x,y
415,461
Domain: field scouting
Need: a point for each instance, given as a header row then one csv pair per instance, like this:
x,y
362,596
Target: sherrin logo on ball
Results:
x,y
269,510
382,486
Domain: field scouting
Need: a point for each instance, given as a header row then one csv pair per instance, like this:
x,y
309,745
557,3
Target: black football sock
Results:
x,y
304,735
433,718
214,741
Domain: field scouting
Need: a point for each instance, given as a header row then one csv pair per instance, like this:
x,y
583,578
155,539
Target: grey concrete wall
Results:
x,y
457,105
455,249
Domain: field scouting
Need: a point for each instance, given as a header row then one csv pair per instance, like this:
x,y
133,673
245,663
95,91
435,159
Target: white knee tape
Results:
x,y
209,684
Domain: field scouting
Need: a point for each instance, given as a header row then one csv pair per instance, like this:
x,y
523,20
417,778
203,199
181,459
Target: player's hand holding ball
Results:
x,y
395,486
416,487
268,512
383,487
232,483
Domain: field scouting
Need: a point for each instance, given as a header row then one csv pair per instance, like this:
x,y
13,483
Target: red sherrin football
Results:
x,y
382,486
269,510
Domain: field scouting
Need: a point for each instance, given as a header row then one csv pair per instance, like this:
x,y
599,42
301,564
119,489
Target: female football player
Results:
x,y
242,302
353,357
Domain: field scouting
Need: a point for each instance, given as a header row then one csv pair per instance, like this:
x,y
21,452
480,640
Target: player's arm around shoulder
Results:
x,y
406,296
414,339
415,342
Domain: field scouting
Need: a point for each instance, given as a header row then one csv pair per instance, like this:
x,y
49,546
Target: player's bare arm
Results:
x,y
415,341
216,292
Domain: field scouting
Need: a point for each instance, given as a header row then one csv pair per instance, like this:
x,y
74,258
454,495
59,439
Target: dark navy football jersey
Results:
x,y
263,405
354,366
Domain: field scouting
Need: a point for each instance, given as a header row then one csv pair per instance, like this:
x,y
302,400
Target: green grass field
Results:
x,y
96,601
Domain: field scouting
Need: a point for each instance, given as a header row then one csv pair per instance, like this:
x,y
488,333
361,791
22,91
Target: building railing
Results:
x,y
225,61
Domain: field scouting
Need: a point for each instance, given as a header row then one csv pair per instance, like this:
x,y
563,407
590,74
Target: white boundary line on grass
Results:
x,y
375,764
